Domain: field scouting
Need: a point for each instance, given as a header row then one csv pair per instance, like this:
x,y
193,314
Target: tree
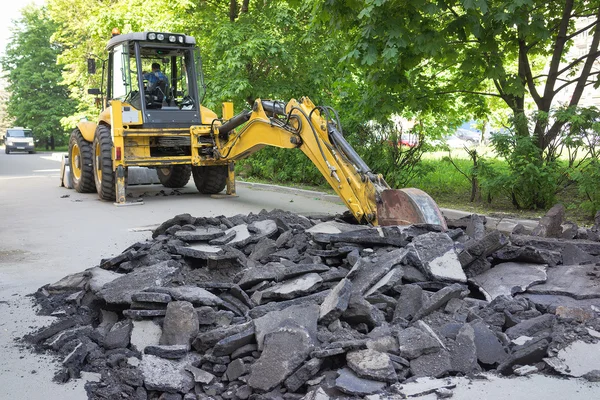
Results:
x,y
38,98
428,54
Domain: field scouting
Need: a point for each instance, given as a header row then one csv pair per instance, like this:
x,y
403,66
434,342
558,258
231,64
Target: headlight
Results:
x,y
180,39
172,38
160,36
9,141
151,36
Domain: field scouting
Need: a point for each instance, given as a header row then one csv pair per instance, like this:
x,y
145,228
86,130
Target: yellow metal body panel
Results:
x,y
207,115
87,129
227,110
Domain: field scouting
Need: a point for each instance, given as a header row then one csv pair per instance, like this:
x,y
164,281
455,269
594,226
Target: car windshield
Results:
x,y
18,133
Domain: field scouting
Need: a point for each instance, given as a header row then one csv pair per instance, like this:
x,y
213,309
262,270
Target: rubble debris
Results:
x,y
275,305
551,224
508,279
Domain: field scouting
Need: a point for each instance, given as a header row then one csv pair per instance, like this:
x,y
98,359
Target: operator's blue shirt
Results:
x,y
155,76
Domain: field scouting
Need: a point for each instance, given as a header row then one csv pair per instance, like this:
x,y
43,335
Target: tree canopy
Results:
x,y
38,98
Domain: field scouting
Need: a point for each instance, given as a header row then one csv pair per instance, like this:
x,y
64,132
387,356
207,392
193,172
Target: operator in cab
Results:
x,y
155,76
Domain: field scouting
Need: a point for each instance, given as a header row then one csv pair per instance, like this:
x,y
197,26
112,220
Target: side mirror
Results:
x,y
95,92
91,66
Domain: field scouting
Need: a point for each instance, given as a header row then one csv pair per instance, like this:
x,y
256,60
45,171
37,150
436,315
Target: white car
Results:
x,y
19,139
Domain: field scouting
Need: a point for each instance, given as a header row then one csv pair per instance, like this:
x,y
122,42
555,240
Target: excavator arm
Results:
x,y
315,131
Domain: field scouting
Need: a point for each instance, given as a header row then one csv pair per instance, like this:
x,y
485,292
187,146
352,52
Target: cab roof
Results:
x,y
143,37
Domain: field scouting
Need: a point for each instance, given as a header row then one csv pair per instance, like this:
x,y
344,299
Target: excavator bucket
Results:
x,y
408,206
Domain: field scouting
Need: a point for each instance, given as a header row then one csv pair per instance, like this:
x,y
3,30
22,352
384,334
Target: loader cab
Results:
x,y
173,100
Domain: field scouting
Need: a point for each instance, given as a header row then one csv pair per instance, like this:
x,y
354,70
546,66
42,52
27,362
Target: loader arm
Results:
x,y
302,125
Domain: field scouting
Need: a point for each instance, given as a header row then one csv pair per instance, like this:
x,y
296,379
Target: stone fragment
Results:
x,y
180,325
71,282
530,353
235,369
487,245
181,219
293,288
569,230
576,313
362,312
244,351
531,327
463,353
303,315
409,303
367,272
316,298
51,330
284,351
489,349
174,352
525,370
573,255
243,392
118,336
371,364
414,342
100,277
208,339
318,394
200,376
263,249
509,278
552,244
228,345
579,358
434,253
120,290
201,233
349,383
576,281
165,375
334,227
387,282
477,267
151,297
550,224
141,314
433,364
336,302
193,294
439,299
303,374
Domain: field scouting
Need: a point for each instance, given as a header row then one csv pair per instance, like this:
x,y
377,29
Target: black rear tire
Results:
x,y
104,176
175,176
80,163
7,151
210,180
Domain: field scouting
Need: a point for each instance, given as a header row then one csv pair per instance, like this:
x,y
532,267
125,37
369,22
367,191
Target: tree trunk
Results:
x,y
232,10
245,6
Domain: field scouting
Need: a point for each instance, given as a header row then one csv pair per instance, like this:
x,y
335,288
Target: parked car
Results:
x,y
19,139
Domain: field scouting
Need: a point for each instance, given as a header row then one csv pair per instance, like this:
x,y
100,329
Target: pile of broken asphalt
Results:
x,y
280,306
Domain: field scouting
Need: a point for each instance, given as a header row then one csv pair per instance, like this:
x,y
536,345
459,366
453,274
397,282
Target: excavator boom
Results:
x,y
314,131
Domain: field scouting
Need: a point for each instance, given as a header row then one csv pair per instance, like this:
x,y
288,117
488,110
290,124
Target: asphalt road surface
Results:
x,y
48,232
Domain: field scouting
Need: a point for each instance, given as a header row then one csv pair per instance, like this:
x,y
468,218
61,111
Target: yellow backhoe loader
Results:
x,y
158,121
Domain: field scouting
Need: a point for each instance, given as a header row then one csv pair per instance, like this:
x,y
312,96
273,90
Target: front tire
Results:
x,y
80,163
175,176
104,175
210,180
